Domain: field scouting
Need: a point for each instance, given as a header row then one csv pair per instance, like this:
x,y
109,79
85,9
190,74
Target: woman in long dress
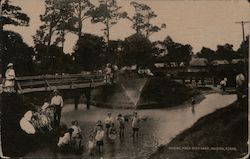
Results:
x,y
9,79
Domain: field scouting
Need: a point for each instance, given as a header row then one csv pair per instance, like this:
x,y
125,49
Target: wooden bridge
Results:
x,y
40,83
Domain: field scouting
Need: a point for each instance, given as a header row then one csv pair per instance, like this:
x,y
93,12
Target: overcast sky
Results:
x,y
196,22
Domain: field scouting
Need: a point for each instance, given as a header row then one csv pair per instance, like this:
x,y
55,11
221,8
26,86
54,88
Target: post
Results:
x,y
88,95
76,99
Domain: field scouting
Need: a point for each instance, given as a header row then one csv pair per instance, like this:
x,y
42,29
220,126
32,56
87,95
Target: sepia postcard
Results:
x,y
124,79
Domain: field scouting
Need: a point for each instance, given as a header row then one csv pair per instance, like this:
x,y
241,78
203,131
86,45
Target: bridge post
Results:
x,y
88,97
76,100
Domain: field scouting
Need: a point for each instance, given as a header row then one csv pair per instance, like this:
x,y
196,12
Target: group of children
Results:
x,y
96,141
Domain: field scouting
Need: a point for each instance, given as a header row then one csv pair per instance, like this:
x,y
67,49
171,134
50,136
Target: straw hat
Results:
x,y
10,64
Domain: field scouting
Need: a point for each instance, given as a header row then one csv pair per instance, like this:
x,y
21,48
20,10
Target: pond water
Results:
x,y
158,127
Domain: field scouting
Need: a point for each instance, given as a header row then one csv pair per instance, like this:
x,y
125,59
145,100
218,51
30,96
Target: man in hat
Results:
x,y
9,79
57,102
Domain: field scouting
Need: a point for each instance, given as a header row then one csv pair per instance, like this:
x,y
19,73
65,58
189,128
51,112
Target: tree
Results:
x,y
177,52
17,52
55,62
137,49
142,19
57,19
108,13
159,51
13,15
89,52
207,53
10,15
66,22
49,19
82,11
225,52
244,47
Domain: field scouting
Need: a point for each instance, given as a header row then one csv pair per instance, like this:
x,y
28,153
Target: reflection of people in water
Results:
x,y
193,103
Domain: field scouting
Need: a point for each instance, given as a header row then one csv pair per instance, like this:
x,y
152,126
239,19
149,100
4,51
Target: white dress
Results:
x,y
25,123
10,76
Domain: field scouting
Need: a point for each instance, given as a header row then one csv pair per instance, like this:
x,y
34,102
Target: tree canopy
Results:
x,y
89,52
13,15
137,49
17,52
142,19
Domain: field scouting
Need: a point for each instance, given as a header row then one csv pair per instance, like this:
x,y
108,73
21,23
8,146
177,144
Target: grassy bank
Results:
x,y
162,92
220,135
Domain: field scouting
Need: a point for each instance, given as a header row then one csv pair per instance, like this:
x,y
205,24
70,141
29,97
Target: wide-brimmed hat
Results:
x,y
10,64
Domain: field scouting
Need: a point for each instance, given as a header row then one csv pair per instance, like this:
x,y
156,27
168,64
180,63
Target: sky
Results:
x,y
196,22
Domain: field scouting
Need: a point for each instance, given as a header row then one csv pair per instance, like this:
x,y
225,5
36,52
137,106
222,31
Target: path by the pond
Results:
x,y
159,127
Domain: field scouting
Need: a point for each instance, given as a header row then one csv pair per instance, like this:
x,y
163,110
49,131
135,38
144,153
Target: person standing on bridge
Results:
x,y
9,79
108,73
57,102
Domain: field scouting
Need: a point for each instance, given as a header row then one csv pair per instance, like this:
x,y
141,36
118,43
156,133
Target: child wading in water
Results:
x,y
112,133
135,124
121,121
108,121
91,145
99,138
193,103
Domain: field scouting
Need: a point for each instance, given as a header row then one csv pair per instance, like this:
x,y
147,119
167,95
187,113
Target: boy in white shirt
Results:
x,y
65,139
57,102
135,124
76,129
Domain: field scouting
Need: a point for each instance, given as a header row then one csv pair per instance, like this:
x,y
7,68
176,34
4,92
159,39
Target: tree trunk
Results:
x,y
107,35
80,21
48,47
63,39
80,29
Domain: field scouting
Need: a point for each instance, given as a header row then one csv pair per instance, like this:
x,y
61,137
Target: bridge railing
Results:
x,y
65,81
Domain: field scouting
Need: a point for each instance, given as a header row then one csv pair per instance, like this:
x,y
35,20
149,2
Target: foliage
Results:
x,y
17,52
108,13
57,19
207,53
142,19
89,52
137,49
13,15
223,52
244,48
82,11
171,51
54,62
